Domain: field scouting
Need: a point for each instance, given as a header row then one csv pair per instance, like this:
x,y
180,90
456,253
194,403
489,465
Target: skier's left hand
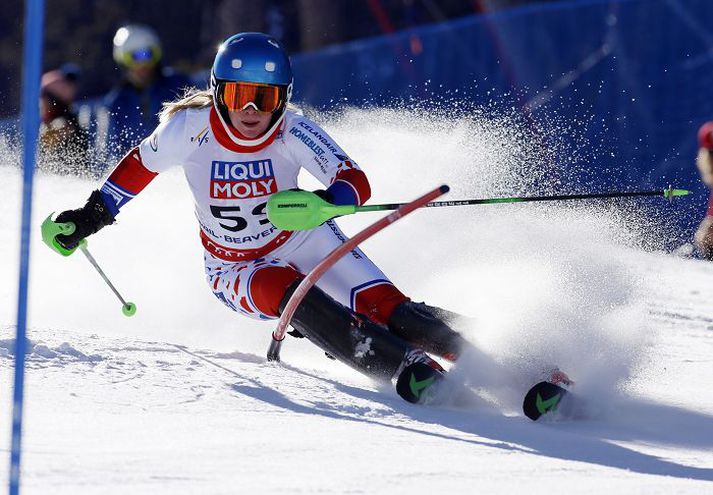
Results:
x,y
324,194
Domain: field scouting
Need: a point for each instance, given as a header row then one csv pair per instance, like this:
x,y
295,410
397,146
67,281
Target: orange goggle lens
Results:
x,y
237,95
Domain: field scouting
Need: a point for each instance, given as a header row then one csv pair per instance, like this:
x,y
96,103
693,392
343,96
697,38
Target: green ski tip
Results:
x,y
129,309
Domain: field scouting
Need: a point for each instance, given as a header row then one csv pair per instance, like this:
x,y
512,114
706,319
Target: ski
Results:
x,y
546,398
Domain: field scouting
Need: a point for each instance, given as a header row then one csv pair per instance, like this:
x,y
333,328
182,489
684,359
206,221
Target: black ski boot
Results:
x,y
428,328
363,344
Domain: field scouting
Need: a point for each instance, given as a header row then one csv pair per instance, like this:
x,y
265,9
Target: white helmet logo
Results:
x,y
270,66
236,63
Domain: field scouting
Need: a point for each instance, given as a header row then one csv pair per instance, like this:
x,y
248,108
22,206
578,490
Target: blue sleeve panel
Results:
x,y
114,197
110,204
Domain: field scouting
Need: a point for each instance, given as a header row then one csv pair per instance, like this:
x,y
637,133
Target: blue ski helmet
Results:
x,y
252,58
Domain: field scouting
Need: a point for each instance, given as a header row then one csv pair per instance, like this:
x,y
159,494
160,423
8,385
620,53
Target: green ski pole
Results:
x,y
51,229
302,210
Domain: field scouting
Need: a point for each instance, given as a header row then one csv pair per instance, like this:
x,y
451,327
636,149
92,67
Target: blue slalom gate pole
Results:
x,y
32,67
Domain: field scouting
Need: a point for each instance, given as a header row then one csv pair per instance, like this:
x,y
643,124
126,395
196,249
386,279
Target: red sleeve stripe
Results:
x,y
358,181
130,174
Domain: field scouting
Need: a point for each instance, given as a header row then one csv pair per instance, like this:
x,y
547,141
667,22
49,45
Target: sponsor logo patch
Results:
x,y
201,137
308,141
241,180
316,135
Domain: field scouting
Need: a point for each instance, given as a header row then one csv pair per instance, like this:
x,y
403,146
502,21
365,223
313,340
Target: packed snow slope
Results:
x,y
180,399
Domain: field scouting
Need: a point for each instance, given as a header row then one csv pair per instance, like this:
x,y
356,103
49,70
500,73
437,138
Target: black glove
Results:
x,y
324,194
87,220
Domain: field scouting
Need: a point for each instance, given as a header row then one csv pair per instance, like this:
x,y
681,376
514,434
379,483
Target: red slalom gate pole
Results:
x,y
273,353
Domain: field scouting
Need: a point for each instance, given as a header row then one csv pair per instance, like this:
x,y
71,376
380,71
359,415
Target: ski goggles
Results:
x,y
143,56
235,96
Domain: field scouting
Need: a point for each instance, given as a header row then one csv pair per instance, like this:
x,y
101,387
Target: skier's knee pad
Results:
x,y
378,301
269,285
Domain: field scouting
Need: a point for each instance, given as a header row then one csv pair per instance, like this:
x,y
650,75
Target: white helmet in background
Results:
x,y
136,44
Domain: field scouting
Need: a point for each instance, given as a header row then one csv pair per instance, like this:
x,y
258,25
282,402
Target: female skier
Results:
x,y
239,143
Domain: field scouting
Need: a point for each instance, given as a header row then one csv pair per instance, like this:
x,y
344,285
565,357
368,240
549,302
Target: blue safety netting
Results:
x,y
637,72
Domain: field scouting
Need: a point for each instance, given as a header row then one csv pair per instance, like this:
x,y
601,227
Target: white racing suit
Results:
x,y
251,265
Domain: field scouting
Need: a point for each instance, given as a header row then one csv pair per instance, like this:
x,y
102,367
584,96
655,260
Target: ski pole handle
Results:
x,y
50,231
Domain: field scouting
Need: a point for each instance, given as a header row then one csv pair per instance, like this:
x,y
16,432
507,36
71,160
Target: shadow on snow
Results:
x,y
587,441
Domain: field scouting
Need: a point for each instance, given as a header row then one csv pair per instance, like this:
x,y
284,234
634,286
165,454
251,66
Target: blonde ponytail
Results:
x,y
192,98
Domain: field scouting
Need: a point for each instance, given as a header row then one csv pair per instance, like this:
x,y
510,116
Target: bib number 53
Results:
x,y
233,219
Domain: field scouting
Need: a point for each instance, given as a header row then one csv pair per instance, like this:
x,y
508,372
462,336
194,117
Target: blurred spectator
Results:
x,y
704,234
63,142
133,105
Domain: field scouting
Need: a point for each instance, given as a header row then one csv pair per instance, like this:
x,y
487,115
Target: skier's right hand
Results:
x,y
87,220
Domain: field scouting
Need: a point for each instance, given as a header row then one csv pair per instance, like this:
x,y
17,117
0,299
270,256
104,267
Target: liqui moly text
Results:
x,y
240,180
